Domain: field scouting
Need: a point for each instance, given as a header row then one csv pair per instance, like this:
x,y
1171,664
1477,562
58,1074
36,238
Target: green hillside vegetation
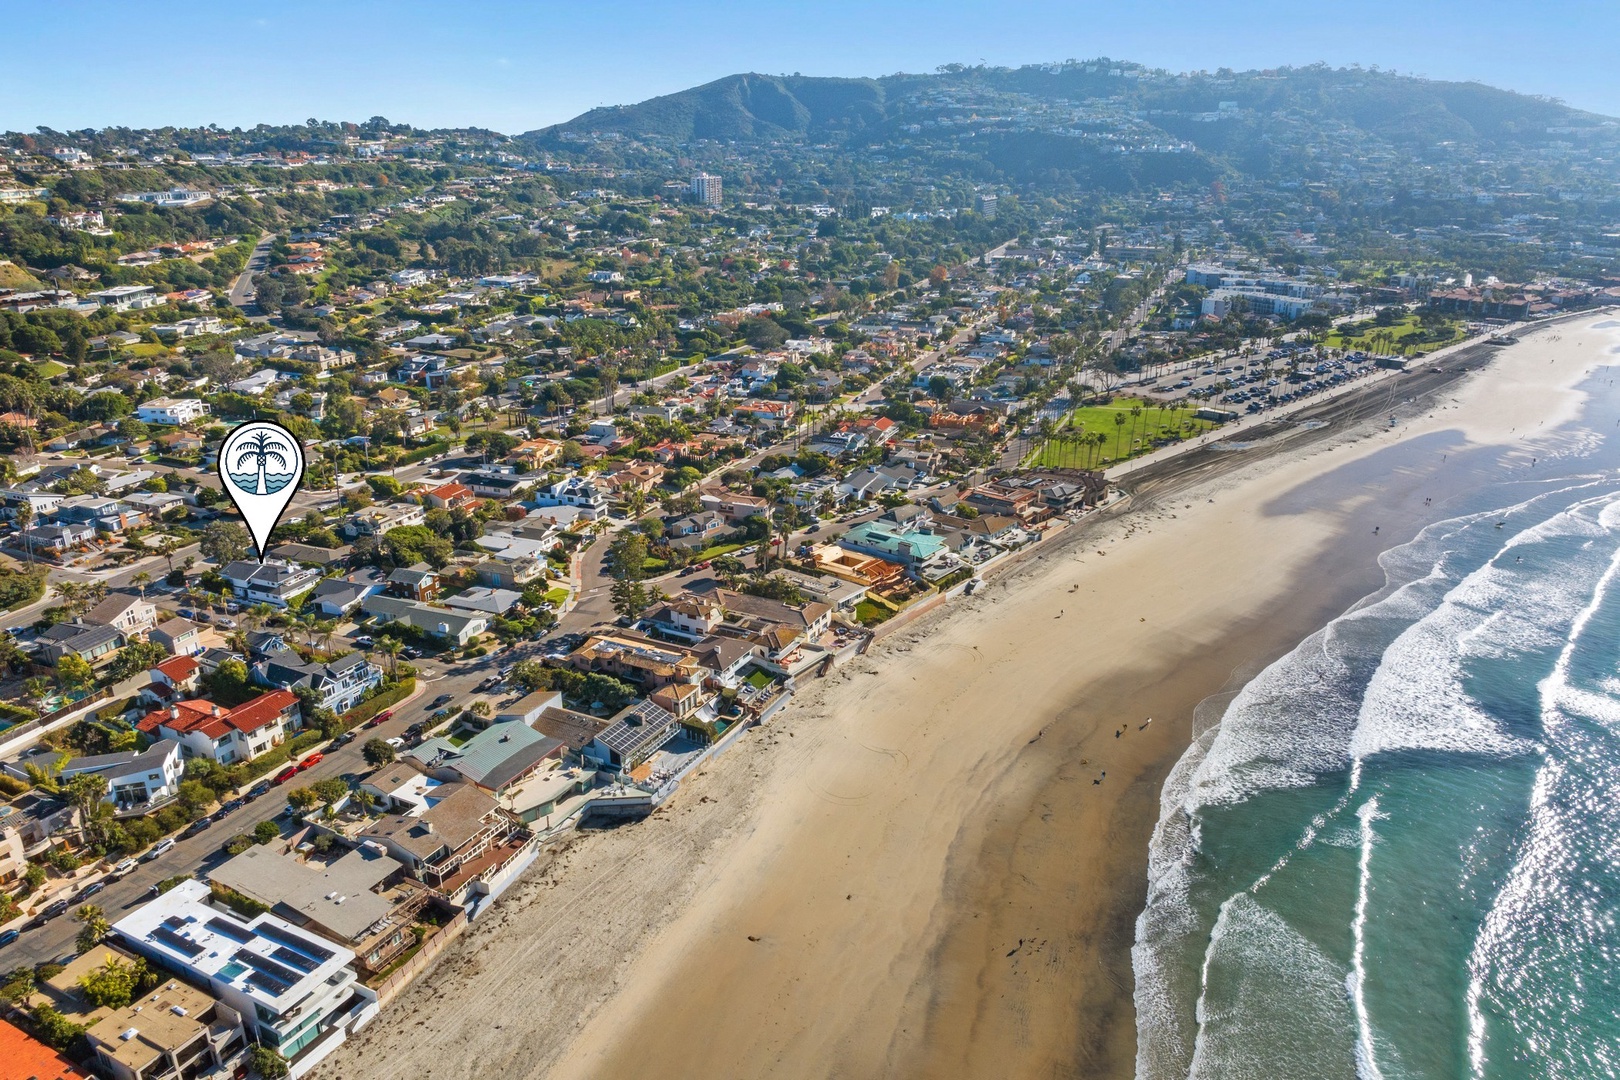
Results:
x,y
1202,125
13,276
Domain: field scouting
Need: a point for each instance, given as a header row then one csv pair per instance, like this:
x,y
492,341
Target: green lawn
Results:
x,y
716,551
556,596
869,614
1396,338
50,369
1136,435
759,680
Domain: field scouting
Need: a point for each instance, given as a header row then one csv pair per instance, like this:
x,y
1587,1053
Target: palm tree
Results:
x,y
391,649
1119,430
1136,416
38,690
307,621
261,449
25,517
141,581
95,926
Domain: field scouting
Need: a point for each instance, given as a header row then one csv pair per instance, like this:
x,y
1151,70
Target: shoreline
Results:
x,y
931,808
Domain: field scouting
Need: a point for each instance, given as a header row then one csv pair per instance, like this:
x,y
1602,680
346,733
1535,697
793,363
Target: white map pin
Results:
x,y
261,466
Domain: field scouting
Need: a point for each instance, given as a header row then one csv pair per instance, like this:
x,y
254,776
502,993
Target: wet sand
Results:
x,y
919,868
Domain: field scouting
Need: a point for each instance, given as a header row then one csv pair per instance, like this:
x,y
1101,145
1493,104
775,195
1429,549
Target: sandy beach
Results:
x,y
930,864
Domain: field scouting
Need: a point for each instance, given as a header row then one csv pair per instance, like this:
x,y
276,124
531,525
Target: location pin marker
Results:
x,y
261,466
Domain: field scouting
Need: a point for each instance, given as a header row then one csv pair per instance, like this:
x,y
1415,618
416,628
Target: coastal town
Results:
x,y
602,472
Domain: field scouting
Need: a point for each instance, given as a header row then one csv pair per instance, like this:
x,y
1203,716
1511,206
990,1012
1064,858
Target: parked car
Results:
x,y
410,652
344,739
365,640
441,699
285,775
54,909
89,891
159,849
257,790
381,718
230,806
8,936
197,828
123,868
314,759
397,742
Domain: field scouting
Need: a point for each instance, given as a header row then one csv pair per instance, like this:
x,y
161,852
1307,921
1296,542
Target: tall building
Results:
x,y
706,189
987,205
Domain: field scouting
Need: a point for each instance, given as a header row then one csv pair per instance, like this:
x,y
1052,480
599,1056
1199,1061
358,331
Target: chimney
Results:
x,y
174,712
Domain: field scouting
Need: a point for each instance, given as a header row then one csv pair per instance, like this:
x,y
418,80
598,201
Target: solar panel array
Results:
x,y
296,959
233,930
176,942
266,965
266,981
286,937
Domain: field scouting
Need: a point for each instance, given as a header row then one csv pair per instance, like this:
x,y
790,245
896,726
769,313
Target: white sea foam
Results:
x,y
1245,1027
1356,982
1548,887
1388,675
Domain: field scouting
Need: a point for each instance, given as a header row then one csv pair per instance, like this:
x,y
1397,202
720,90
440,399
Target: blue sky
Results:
x,y
516,66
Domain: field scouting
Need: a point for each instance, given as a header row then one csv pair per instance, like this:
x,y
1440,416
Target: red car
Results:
x,y
314,759
285,774
380,718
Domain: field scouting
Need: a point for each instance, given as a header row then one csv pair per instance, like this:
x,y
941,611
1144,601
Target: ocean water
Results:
x,y
1396,854
273,482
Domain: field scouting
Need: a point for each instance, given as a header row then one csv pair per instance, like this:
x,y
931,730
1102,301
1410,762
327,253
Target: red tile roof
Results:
x,y
178,668
261,710
23,1057
451,491
184,717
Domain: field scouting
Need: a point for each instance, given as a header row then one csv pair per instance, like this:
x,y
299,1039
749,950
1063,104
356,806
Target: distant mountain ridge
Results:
x,y
1394,107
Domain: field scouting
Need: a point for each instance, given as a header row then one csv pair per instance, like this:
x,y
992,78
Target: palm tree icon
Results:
x,y
260,449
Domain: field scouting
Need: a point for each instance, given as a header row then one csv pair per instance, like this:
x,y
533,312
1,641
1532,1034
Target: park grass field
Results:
x,y
1407,335
1135,432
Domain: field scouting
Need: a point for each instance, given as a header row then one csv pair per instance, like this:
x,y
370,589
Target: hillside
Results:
x,y
13,276
741,107
1098,123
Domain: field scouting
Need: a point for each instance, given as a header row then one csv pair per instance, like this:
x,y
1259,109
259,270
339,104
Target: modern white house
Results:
x,y
296,992
134,777
270,582
172,411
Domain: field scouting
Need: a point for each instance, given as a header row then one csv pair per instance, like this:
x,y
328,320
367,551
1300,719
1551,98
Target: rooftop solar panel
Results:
x,y
266,965
175,941
233,930
269,982
296,941
296,959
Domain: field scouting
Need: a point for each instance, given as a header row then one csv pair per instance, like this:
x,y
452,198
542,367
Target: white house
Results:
x,y
203,729
296,993
171,411
134,777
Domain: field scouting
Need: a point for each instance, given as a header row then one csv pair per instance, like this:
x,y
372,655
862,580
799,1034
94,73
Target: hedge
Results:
x,y
277,756
374,705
